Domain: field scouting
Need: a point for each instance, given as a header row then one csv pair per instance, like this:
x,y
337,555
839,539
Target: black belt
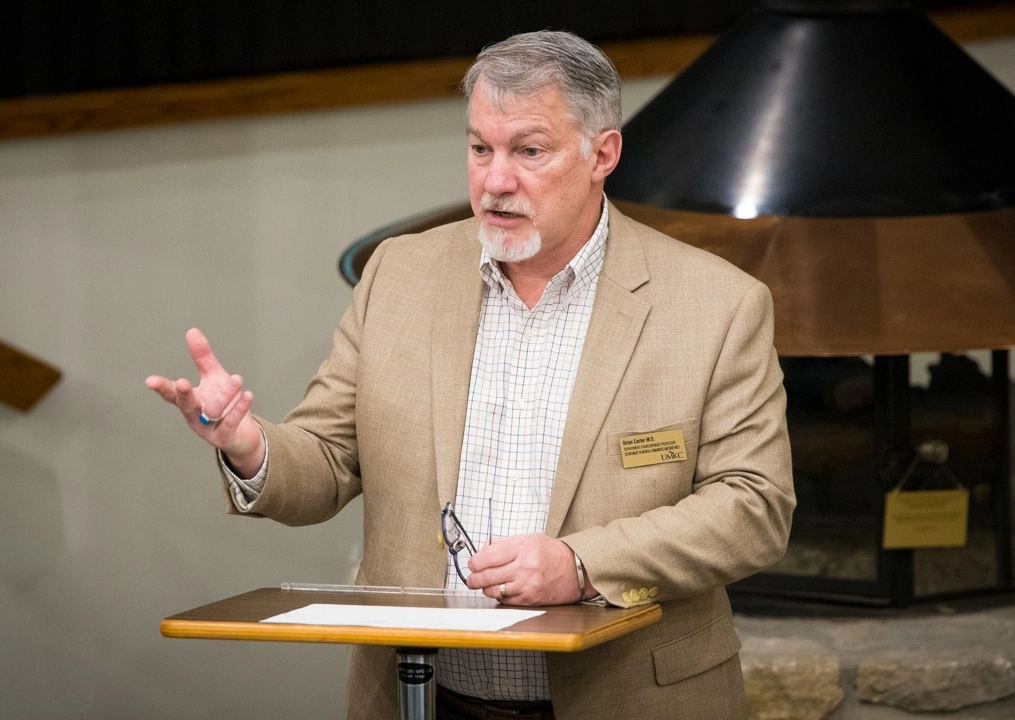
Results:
x,y
479,709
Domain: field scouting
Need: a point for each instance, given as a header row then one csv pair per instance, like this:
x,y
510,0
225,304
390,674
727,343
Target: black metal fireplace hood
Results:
x,y
853,158
825,109
847,154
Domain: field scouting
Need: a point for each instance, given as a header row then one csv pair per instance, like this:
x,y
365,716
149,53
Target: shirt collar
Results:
x,y
584,266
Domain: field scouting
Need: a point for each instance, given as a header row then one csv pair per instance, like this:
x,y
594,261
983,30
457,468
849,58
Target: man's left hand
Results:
x,y
535,569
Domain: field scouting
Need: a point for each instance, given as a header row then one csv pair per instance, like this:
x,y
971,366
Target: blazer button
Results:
x,y
652,592
643,594
440,539
627,596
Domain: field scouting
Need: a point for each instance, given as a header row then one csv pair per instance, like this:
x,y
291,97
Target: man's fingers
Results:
x,y
494,554
217,409
494,591
163,386
187,399
516,592
232,416
491,565
218,397
200,352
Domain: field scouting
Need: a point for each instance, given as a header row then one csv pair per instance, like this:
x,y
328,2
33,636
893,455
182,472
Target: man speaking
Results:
x,y
600,399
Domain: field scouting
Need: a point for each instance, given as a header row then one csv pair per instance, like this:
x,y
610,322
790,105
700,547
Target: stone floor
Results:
x,y
800,651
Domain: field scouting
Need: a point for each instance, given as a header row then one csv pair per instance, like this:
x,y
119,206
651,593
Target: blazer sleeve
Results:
x,y
313,461
736,519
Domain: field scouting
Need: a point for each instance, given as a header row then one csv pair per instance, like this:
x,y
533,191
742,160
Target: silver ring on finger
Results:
x,y
502,591
205,420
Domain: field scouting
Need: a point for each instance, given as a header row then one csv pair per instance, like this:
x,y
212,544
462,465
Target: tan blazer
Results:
x,y
678,339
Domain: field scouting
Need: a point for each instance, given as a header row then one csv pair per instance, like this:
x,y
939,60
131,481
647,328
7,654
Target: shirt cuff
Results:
x,y
245,492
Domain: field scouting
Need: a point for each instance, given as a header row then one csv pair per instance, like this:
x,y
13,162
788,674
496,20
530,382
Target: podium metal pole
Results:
x,y
417,698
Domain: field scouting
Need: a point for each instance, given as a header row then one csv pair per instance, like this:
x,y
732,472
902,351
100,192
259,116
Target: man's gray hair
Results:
x,y
524,64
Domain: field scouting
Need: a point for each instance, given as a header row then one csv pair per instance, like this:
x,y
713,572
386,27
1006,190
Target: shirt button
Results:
x,y
519,404
505,683
513,475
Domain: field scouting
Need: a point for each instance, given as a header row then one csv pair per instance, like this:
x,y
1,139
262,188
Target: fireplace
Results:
x,y
854,159
860,426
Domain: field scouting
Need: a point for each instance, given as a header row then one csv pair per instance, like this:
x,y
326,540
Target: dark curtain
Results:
x,y
50,47
59,46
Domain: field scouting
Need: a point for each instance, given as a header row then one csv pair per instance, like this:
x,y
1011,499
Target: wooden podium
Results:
x,y
565,628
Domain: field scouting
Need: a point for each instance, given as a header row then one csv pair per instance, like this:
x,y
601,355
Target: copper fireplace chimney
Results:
x,y
857,161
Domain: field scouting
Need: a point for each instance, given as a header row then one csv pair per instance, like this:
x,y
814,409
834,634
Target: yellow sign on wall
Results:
x,y
926,519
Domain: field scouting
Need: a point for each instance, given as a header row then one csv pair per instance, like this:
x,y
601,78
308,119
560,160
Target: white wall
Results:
x,y
111,518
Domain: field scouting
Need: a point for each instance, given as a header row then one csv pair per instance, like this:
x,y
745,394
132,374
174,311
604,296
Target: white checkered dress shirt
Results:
x,y
522,374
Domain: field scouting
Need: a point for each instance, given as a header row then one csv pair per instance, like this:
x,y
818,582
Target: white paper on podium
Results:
x,y
386,616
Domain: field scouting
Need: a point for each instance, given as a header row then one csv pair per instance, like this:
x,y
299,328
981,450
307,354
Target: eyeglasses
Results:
x,y
455,536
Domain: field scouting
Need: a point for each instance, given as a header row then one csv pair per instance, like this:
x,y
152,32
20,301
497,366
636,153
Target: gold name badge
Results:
x,y
653,448
926,519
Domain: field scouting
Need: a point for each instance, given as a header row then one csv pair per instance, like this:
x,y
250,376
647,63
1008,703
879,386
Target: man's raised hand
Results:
x,y
220,397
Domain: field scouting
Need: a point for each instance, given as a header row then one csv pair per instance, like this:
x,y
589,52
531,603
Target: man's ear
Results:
x,y
606,148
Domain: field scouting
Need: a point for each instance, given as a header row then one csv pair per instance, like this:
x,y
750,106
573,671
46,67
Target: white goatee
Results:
x,y
495,239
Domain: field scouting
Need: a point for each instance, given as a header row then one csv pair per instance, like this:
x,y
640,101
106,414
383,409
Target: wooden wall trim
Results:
x,y
382,83
24,379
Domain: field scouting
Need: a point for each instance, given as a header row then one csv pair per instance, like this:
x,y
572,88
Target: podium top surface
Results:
x,y
564,628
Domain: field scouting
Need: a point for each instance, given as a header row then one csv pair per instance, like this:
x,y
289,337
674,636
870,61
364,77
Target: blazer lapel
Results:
x,y
617,319
457,304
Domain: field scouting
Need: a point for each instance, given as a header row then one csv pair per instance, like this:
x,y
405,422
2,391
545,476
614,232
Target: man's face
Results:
x,y
530,186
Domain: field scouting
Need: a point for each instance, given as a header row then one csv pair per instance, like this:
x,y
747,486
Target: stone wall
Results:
x,y
881,669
